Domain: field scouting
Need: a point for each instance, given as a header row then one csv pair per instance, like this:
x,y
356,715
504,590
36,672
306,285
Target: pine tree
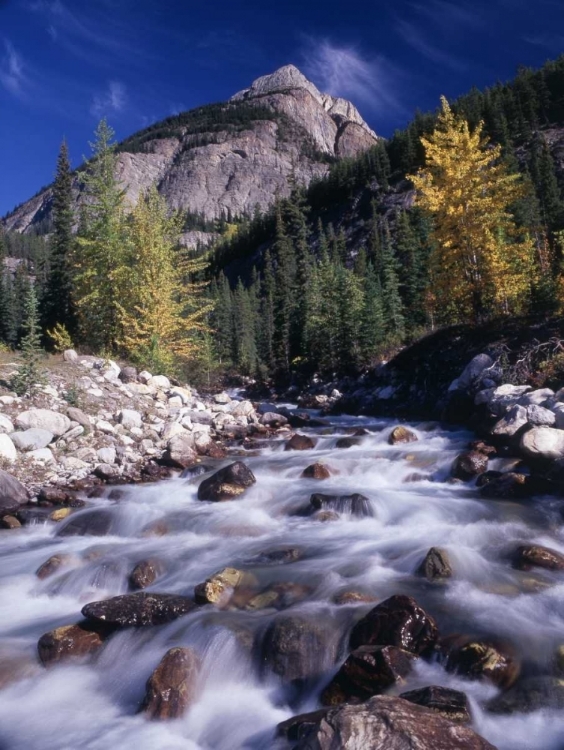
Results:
x,y
394,321
372,330
296,222
481,264
265,331
542,170
283,296
58,304
29,374
222,318
245,334
413,270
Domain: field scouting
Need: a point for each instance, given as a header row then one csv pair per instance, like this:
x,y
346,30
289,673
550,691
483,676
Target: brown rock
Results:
x,y
529,556
218,588
53,565
96,522
55,496
279,596
481,447
145,573
326,515
506,487
368,671
300,443
347,442
156,528
401,435
12,494
353,597
138,610
397,621
356,504
10,522
473,658
316,471
451,704
171,689
436,565
60,514
80,640
227,483
468,465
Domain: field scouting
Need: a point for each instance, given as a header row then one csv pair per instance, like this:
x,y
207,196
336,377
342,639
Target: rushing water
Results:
x,y
94,706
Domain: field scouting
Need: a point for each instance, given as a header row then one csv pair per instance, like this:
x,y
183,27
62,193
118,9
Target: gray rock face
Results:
x,y
232,170
12,494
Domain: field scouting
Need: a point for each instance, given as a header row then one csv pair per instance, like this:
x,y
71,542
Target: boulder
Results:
x,y
6,425
107,455
473,372
528,556
217,589
539,416
508,486
347,442
536,398
138,610
468,465
96,522
12,494
297,648
436,565
222,398
227,483
44,419
397,621
451,704
316,471
77,415
279,556
60,514
8,450
530,694
170,689
9,522
53,565
388,723
159,381
543,442
145,573
278,596
69,355
353,597
400,435
368,671
513,421
128,375
130,418
81,640
474,658
300,443
272,419
356,504
180,451
106,472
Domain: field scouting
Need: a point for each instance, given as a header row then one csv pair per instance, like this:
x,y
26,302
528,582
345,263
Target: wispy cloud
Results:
x,y
552,42
113,100
12,75
447,15
418,40
344,71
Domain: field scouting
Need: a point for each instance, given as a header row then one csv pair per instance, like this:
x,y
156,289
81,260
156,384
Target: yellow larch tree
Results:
x,y
481,264
162,315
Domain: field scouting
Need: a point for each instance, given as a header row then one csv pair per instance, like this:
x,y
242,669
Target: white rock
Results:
x,y
221,420
44,419
43,455
111,376
7,400
159,381
107,455
74,433
6,425
7,449
48,390
84,383
32,439
144,376
105,427
544,442
180,450
96,392
242,408
183,393
512,422
537,397
137,431
130,418
538,415
199,406
186,422
175,401
126,440
473,371
202,441
69,355
171,429
73,464
558,410
222,398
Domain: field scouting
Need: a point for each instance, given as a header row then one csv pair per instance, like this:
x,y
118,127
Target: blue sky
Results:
x,y
66,63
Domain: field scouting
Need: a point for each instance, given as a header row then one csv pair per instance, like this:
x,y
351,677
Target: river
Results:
x,y
94,706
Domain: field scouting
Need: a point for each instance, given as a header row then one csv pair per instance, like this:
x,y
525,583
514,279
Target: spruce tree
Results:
x,y
29,374
245,335
284,295
394,320
372,329
542,170
265,330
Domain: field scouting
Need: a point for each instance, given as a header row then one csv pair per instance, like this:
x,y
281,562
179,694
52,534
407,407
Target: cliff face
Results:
x,y
224,160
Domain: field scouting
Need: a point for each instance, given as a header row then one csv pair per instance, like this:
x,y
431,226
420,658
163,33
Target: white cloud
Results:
x,y
112,100
343,71
12,76
413,36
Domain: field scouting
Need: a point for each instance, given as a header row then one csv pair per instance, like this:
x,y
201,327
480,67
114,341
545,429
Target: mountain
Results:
x,y
223,160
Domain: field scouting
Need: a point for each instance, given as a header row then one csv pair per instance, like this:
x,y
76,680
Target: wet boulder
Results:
x,y
436,565
12,494
297,648
347,442
509,486
353,597
53,565
530,694
528,556
468,465
511,423
57,496
272,419
138,610
300,443
279,556
316,471
397,621
451,704
97,522
356,504
491,659
543,443
278,596
80,640
387,722
171,689
368,671
227,483
145,573
218,588
400,435
9,522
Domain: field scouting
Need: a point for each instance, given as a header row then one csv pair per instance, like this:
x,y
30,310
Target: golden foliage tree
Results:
x,y
481,264
161,314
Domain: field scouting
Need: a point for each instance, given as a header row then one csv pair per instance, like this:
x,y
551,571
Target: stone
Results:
x,y
77,415
353,597
536,398
130,418
97,522
107,455
6,426
400,435
279,556
493,660
227,483
172,429
8,450
528,556
347,442
106,472
368,671
316,471
60,514
102,425
12,494
44,419
222,398
513,421
42,455
300,443
144,376
469,465
474,372
436,565
218,588
202,442
397,621
508,486
539,416
356,504
159,381
530,694
138,610
145,573
278,596
53,565
543,442
297,648
70,641
388,723
73,433
242,409
272,419
180,451
171,688
451,704
69,355
9,522
128,374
